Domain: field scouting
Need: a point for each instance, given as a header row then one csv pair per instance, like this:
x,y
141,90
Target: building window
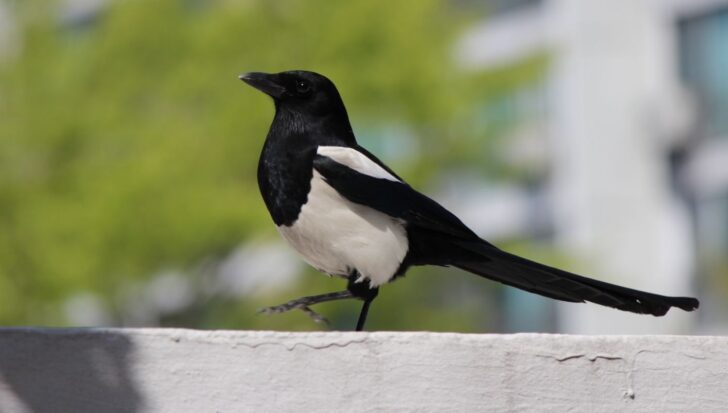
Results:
x,y
704,67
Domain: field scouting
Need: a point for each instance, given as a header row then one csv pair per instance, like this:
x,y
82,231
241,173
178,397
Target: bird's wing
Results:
x,y
442,239
361,178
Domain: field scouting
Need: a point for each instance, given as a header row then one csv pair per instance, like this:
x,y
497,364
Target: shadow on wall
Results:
x,y
66,372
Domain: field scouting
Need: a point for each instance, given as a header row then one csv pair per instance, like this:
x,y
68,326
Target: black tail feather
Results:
x,y
562,285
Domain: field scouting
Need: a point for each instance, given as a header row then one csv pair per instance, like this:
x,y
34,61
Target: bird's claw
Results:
x,y
304,304
316,317
292,305
301,303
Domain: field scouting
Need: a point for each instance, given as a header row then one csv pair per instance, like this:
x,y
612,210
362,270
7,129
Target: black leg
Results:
x,y
303,304
363,315
362,291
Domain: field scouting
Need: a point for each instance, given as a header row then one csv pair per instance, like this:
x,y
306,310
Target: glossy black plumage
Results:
x,y
450,242
300,160
284,168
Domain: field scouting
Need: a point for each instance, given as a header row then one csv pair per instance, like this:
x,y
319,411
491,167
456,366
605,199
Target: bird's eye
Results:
x,y
302,87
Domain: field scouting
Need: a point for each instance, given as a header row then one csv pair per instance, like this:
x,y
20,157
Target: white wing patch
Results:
x,y
356,161
337,236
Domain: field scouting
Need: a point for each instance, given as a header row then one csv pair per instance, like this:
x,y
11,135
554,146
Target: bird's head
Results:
x,y
298,91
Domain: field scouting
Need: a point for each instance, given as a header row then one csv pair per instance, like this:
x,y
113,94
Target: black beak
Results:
x,y
264,82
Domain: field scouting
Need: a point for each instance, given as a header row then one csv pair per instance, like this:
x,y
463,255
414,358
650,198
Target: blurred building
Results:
x,y
632,142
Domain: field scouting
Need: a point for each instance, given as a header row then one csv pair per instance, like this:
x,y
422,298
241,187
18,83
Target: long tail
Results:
x,y
493,263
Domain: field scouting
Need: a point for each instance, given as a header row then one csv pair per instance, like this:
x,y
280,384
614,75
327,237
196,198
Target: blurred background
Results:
x,y
592,136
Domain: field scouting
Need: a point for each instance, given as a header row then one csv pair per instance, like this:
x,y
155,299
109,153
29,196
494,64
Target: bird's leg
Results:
x,y
362,290
303,304
363,314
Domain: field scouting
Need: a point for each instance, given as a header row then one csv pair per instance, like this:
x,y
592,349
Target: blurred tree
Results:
x,y
129,146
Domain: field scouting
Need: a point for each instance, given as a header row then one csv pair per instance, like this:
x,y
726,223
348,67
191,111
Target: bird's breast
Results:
x,y
284,178
337,236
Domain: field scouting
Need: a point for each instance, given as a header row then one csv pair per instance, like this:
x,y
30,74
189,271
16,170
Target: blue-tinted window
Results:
x,y
704,65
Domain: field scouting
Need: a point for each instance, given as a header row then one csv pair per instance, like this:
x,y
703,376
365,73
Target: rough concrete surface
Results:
x,y
172,370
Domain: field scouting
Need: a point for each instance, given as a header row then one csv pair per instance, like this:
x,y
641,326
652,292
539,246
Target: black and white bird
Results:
x,y
349,215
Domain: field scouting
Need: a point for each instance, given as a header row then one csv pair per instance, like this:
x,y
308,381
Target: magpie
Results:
x,y
349,215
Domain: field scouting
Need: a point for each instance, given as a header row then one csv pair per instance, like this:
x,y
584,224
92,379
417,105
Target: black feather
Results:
x,y
437,237
562,285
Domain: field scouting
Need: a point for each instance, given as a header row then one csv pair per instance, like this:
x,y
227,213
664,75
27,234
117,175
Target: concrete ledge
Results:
x,y
170,370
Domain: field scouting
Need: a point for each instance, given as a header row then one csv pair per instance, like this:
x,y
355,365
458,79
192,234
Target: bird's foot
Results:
x,y
304,304
316,317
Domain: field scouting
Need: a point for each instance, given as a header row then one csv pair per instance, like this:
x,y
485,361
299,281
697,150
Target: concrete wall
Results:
x,y
169,370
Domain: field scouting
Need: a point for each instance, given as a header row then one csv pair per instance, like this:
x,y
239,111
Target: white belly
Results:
x,y
337,236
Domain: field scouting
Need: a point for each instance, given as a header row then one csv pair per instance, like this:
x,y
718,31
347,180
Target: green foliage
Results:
x,y
127,145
